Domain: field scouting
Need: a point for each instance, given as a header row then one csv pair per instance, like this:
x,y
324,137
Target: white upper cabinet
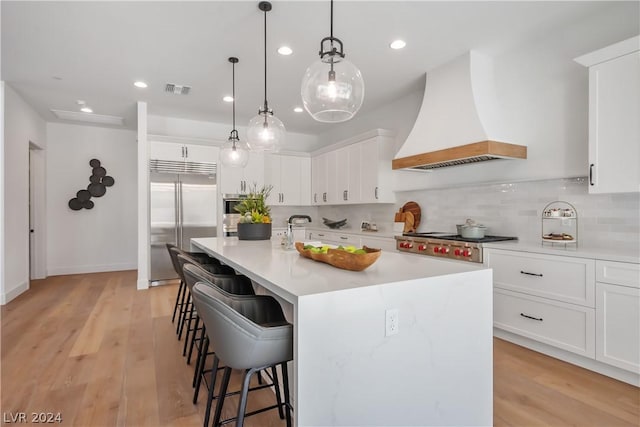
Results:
x,y
290,177
179,152
614,108
319,179
241,180
359,171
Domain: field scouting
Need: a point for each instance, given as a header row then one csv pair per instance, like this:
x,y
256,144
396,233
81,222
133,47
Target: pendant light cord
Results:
x,y
266,107
331,22
233,93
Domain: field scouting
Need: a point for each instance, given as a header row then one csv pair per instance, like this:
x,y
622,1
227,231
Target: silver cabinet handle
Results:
x,y
591,174
343,238
186,151
324,197
375,193
539,319
344,195
182,151
315,197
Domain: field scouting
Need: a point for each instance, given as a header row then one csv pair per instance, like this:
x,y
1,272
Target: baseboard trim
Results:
x,y
13,293
98,268
575,359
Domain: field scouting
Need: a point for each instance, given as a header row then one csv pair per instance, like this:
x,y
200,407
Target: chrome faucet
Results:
x,y
289,244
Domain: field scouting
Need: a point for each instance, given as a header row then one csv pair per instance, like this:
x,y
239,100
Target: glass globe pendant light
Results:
x,y
265,131
234,153
332,87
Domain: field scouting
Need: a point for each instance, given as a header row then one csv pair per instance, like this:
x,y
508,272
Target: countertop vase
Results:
x,y
249,231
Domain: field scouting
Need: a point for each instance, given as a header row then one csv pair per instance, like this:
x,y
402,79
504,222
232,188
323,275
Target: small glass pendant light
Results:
x,y
265,131
332,87
234,152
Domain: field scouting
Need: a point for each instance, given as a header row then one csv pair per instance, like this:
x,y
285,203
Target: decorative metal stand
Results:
x,y
559,224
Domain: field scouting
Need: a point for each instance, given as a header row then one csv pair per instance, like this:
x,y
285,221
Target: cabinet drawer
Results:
x,y
566,326
560,278
618,273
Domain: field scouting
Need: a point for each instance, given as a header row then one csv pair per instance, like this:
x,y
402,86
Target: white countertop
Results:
x,y
607,254
290,275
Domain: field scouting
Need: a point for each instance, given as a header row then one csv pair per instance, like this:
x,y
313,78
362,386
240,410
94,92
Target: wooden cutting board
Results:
x,y
414,208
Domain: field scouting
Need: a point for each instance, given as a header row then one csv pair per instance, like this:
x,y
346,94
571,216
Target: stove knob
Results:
x,y
466,253
444,250
409,245
422,247
401,245
457,252
435,249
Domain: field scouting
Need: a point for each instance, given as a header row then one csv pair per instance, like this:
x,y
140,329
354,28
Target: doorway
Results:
x,y
37,215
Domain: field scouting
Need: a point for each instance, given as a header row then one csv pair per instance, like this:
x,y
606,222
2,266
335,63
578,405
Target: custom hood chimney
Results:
x,y
458,122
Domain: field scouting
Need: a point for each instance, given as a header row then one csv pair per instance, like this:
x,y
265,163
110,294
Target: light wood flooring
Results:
x,y
101,353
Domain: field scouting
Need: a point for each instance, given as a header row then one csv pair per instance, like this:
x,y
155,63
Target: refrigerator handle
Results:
x,y
180,212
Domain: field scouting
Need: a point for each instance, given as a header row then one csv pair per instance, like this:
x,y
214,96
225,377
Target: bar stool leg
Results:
x,y
221,395
183,309
192,314
199,355
207,412
200,370
193,339
276,384
187,308
242,405
175,307
287,399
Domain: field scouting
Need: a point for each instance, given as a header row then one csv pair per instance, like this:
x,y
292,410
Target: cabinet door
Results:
x,y
272,168
201,153
290,176
353,167
618,326
614,128
369,172
254,171
166,151
305,181
320,180
335,187
230,180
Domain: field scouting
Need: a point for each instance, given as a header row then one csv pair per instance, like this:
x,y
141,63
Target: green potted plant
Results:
x,y
255,220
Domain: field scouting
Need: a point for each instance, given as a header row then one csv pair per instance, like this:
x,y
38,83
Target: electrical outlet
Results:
x,y
391,325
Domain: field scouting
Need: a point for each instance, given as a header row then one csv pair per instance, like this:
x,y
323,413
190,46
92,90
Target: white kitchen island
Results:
x,y
437,369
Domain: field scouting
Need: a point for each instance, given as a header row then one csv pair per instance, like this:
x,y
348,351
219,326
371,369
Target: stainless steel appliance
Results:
x,y
183,199
443,245
230,217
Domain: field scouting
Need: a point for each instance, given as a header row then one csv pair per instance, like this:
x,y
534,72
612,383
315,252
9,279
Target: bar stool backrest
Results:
x,y
246,332
235,284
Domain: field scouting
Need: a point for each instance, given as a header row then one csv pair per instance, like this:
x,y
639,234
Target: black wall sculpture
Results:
x,y
98,183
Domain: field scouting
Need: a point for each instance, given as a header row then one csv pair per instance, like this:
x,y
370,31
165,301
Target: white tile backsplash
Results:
x,y
604,220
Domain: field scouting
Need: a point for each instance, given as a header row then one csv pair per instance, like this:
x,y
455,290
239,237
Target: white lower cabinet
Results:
x,y
585,306
338,238
567,326
618,315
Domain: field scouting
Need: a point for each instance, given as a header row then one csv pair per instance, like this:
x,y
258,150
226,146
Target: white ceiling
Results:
x,y
54,53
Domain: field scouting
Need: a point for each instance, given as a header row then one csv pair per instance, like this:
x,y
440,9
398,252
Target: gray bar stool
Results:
x,y
197,256
250,334
232,284
188,309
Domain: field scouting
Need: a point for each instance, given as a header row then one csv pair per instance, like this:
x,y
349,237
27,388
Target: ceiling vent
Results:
x,y
177,89
100,119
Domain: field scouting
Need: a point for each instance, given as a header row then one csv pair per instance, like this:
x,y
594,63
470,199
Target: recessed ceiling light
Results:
x,y
140,84
86,109
228,98
397,44
298,109
285,50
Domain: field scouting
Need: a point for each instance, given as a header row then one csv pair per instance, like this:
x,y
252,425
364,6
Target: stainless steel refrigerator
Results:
x,y
183,202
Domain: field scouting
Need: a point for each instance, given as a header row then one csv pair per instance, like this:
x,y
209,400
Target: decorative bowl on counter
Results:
x,y
342,259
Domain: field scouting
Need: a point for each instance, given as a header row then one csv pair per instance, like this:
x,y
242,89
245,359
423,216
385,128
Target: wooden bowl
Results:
x,y
342,259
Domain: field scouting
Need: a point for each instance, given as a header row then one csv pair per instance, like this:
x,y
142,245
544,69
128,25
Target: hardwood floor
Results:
x,y
94,349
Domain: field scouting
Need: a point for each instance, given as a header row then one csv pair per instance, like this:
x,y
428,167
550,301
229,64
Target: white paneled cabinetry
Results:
x,y
614,108
357,170
178,152
241,180
290,177
618,314
583,306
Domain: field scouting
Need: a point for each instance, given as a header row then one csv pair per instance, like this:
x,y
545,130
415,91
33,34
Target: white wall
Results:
x,y
103,238
22,125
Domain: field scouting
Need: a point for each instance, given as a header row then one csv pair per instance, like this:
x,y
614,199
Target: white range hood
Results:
x,y
458,122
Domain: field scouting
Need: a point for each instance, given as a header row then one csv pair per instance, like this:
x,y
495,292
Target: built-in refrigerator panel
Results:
x,y
182,206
